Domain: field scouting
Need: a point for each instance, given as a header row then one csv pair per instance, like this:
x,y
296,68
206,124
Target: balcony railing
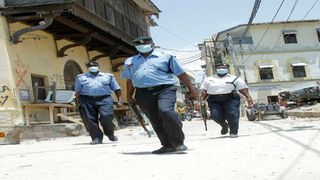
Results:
x,y
123,14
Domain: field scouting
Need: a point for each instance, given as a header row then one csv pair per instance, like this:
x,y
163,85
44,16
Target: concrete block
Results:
x,y
10,136
73,129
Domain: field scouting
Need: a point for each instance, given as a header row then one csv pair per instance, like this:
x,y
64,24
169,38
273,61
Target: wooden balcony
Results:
x,y
107,26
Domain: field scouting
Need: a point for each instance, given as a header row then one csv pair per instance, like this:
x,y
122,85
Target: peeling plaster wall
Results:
x,y
37,55
307,51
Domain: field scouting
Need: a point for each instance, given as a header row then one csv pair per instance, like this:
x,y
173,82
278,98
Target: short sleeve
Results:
x,y
240,84
125,73
176,68
114,84
77,85
204,85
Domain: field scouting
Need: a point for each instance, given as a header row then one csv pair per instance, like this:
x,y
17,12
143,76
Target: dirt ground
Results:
x,y
270,149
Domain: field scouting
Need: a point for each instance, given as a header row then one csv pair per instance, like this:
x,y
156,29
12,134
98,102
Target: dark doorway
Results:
x,y
41,91
70,72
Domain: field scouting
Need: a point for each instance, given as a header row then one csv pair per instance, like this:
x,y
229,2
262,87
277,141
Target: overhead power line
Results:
x,y
265,32
285,25
176,35
191,61
178,50
314,4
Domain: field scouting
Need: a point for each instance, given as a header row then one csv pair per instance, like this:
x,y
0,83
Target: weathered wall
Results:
x,y
10,112
281,55
36,55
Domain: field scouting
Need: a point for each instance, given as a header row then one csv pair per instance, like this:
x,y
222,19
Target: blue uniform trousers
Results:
x,y
158,106
225,107
98,110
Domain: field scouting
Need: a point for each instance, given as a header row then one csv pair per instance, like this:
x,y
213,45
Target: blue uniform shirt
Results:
x,y
90,85
157,69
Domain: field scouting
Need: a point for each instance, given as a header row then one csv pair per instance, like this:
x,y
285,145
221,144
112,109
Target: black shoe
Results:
x,y
113,138
224,129
163,150
181,148
96,141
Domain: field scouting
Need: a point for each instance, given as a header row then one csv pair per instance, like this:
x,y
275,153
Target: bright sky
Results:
x,y
190,21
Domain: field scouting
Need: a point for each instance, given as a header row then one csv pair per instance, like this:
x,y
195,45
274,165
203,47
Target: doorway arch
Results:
x,y
70,72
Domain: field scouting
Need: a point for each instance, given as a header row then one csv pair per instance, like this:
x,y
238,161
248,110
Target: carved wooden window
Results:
x,y
119,20
100,11
90,4
126,24
110,14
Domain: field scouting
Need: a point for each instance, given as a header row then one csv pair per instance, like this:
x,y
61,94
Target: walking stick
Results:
x,y
204,113
135,109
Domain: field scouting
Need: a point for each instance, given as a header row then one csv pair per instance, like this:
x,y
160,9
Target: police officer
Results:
x,y
93,90
150,75
220,91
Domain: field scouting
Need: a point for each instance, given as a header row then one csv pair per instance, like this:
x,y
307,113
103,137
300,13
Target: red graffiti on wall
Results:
x,y
21,71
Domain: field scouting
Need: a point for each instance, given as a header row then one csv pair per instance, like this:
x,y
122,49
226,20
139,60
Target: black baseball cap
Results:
x,y
221,64
92,63
142,40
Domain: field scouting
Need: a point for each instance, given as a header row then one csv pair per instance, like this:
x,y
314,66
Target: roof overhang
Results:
x,y
266,66
148,6
289,31
298,64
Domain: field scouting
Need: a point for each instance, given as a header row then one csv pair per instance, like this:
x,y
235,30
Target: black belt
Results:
x,y
163,86
95,97
222,95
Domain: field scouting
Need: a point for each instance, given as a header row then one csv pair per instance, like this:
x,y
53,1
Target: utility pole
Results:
x,y
237,72
233,55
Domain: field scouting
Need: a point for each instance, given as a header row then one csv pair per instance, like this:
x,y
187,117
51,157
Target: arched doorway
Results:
x,y
70,72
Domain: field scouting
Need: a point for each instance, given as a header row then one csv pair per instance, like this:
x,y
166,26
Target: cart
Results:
x,y
261,109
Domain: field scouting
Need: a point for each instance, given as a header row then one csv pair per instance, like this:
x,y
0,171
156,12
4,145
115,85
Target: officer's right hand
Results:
x,y
193,94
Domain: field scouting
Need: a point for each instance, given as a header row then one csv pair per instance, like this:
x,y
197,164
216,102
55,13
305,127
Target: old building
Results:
x,y
271,57
48,42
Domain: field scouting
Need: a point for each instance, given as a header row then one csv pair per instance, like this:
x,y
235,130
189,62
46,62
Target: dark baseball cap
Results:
x,y
221,64
142,40
92,63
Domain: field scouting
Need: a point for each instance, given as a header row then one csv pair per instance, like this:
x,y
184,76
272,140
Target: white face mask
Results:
x,y
144,48
222,71
94,69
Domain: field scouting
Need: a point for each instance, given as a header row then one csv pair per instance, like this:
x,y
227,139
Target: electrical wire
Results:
x,y
314,4
279,37
265,32
178,50
190,61
176,35
190,57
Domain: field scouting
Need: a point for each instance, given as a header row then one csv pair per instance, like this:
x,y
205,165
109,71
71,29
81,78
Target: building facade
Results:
x,y
48,42
272,57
